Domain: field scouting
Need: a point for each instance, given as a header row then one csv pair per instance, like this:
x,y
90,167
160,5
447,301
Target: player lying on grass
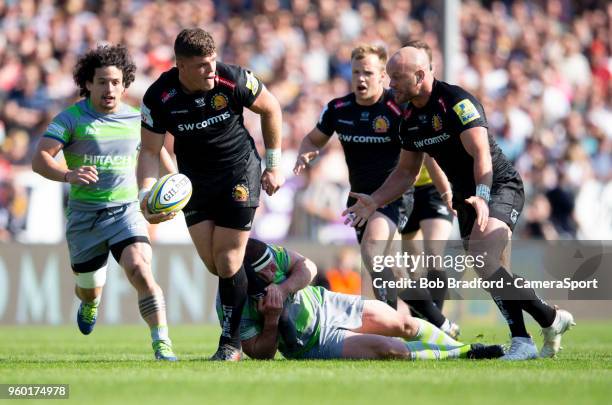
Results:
x,y
306,322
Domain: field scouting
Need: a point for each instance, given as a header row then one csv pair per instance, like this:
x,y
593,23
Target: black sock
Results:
x,y
508,301
388,295
543,313
420,301
233,294
438,294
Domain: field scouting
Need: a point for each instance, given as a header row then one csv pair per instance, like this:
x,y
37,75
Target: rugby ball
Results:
x,y
169,194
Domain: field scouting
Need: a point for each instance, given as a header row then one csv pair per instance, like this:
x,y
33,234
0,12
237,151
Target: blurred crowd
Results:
x,y
541,68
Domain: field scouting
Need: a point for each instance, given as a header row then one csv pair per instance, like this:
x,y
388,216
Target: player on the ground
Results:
x,y
367,121
200,102
99,137
427,222
449,124
306,322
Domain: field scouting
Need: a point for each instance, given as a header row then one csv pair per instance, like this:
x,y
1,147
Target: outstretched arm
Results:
x,y
309,149
399,181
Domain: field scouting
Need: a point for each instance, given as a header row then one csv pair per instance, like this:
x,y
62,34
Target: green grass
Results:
x,y
114,365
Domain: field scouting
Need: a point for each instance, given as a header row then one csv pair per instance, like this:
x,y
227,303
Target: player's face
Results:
x,y
106,89
268,272
367,78
404,83
197,73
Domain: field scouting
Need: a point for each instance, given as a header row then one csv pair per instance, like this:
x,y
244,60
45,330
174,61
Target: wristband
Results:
x,y
273,158
142,194
483,191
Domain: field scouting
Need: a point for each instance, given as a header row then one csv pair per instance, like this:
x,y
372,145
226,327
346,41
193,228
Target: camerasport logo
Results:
x,y
219,101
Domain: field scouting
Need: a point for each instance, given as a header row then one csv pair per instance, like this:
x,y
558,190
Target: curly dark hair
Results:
x,y
194,42
102,56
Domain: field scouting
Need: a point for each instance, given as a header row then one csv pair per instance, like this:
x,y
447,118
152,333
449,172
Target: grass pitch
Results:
x,y
114,366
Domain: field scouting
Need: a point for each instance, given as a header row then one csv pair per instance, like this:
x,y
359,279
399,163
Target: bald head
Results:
x,y
411,72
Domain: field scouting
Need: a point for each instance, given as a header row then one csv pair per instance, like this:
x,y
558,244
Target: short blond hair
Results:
x,y
364,50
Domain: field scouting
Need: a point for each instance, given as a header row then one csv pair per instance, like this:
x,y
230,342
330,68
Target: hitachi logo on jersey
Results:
x,y
431,141
203,124
107,160
364,138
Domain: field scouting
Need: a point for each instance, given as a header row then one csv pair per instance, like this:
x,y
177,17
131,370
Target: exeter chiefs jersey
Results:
x,y
368,135
208,127
435,129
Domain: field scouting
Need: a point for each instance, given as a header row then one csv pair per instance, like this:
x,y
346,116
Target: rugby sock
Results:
x,y
543,313
388,295
428,333
427,351
151,304
160,332
507,299
438,294
420,301
233,294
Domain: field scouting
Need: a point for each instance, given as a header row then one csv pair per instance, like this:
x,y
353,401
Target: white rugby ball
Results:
x,y
169,194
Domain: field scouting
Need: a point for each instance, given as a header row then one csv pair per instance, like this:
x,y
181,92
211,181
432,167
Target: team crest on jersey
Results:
x,y
365,116
167,95
219,101
200,102
381,124
466,111
436,122
514,216
240,193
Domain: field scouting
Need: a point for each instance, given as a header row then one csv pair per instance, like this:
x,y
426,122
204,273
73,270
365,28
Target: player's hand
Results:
x,y
154,218
448,200
272,180
357,214
271,306
303,161
82,175
482,211
278,288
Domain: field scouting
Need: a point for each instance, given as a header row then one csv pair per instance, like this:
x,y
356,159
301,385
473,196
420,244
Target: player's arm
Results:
x,y
476,143
148,168
264,345
399,181
439,180
269,110
309,149
301,274
166,162
44,163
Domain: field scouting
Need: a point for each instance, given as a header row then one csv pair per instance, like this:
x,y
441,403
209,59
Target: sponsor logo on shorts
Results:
x,y
167,95
381,124
436,122
219,101
442,210
189,213
514,216
466,111
240,193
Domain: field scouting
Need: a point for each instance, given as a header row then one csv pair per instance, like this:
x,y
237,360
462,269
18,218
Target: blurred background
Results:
x,y
541,68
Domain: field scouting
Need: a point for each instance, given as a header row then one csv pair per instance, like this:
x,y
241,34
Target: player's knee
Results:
x,y
91,280
227,262
140,275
